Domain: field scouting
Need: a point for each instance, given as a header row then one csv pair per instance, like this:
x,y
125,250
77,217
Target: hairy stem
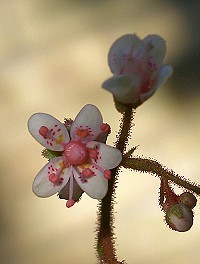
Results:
x,y
154,167
105,246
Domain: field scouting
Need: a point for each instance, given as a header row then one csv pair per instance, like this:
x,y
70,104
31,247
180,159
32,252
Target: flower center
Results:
x,y
76,152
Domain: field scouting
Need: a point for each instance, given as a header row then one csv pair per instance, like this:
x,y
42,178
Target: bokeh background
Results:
x,y
53,58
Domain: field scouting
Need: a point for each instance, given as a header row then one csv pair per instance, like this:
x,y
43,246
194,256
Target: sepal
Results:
x,y
121,108
50,154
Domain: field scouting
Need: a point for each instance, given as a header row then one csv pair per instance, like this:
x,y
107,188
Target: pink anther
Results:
x,y
87,172
43,131
105,127
107,174
53,178
93,153
70,203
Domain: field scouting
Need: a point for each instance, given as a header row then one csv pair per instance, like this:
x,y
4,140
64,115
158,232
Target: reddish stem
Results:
x,y
106,244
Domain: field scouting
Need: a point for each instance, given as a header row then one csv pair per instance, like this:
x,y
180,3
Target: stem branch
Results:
x,y
154,167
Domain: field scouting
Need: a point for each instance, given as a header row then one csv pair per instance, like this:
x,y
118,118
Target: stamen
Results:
x,y
43,131
71,187
105,127
87,173
53,178
49,135
70,203
83,133
93,153
107,174
146,85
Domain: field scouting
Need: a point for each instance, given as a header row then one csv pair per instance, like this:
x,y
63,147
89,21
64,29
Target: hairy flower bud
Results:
x,y
189,199
179,217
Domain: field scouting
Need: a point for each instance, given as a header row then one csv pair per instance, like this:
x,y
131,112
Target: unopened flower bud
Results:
x,y
137,67
179,217
189,199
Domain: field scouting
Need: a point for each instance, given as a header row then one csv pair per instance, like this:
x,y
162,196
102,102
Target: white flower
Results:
x,y
137,67
83,164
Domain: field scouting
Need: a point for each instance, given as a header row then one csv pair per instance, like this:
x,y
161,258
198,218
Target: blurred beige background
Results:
x,y
53,58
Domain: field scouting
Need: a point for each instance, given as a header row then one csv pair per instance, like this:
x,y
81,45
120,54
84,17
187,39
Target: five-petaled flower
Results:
x,y
137,68
83,165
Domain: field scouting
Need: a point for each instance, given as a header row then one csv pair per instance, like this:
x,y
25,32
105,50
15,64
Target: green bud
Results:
x,y
179,217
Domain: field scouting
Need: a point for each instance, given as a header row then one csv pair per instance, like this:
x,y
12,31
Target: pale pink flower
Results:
x,y
137,67
83,165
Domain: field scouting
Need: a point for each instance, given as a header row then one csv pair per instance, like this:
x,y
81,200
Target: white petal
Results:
x,y
124,88
157,48
164,73
108,157
90,119
42,186
95,186
56,129
122,46
162,76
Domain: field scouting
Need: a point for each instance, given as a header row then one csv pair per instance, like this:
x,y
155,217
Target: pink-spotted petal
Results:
x,y
42,186
121,50
86,126
157,49
108,157
164,73
95,186
162,76
54,133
